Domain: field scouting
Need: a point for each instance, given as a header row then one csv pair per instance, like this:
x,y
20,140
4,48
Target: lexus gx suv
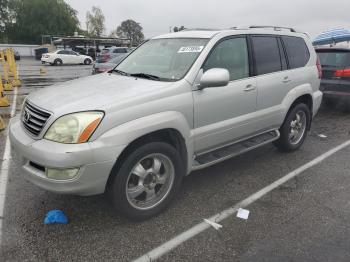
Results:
x,y
179,102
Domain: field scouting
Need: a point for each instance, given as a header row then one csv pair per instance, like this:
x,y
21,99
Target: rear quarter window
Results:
x,y
297,51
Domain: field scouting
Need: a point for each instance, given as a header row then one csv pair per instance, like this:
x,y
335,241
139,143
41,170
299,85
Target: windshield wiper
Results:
x,y
120,72
144,75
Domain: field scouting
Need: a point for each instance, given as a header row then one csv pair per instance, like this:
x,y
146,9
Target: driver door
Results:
x,y
224,114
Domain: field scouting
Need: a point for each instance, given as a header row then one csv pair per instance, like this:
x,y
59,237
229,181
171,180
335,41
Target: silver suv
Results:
x,y
180,102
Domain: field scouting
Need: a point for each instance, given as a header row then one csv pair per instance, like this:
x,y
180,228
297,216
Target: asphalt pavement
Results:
x,y
305,219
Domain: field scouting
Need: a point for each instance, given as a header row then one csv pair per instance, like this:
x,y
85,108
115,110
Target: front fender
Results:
x,y
126,133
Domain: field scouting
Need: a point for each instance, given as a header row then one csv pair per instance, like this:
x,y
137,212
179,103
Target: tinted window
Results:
x,y
334,59
231,54
297,51
63,52
267,55
72,53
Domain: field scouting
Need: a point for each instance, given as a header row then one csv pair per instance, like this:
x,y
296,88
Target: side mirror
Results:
x,y
214,77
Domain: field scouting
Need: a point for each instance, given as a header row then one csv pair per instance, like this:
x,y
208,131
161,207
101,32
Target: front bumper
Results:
x,y
95,161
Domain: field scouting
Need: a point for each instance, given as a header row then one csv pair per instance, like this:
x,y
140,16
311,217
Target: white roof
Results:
x,y
190,34
207,33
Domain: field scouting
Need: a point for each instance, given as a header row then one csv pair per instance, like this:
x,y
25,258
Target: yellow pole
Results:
x,y
2,124
9,61
13,69
3,99
7,85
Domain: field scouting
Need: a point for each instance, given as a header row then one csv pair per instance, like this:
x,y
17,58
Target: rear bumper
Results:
x,y
335,89
46,60
94,160
317,100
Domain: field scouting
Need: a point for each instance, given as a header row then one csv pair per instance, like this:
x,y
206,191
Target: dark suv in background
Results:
x,y
335,84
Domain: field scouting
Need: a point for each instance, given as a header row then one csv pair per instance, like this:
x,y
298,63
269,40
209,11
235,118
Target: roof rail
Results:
x,y
276,28
200,29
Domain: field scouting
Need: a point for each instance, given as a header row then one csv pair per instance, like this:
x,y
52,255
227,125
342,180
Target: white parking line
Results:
x,y
195,230
5,166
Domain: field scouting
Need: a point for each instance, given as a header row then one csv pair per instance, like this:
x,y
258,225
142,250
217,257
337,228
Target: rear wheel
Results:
x,y
87,61
294,129
147,181
57,62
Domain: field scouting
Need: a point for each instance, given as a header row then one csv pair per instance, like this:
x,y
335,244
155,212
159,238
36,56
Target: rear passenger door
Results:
x,y
274,81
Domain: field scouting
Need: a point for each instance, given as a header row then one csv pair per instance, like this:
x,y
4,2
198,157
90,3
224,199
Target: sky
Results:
x,y
157,16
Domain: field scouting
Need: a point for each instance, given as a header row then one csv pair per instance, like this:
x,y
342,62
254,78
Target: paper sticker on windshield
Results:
x,y
191,49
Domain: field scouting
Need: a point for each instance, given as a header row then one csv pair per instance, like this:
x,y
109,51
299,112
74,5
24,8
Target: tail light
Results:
x,y
342,73
319,68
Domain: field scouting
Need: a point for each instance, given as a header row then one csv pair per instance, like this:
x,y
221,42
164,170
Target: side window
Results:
x,y
297,51
231,54
61,52
267,54
72,53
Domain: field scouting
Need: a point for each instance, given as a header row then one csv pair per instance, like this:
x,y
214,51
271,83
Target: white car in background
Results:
x,y
60,57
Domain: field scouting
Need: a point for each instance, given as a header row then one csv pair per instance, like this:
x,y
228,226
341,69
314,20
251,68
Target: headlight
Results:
x,y
74,128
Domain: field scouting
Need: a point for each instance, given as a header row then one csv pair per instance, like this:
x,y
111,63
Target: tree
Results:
x,y
6,17
95,22
29,19
178,29
131,30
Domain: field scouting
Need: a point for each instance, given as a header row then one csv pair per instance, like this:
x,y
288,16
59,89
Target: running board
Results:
x,y
235,149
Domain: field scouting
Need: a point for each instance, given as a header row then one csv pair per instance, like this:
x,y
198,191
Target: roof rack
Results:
x,y
200,29
276,28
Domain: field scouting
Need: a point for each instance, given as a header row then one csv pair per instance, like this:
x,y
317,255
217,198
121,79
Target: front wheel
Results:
x,y
147,181
294,129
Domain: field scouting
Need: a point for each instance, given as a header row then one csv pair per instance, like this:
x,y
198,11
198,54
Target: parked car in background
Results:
x,y
180,102
17,55
104,67
111,52
91,51
335,83
61,57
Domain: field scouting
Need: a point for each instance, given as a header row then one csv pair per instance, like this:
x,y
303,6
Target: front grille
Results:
x,y
34,119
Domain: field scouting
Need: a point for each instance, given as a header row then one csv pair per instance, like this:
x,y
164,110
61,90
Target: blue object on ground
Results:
x,y
55,216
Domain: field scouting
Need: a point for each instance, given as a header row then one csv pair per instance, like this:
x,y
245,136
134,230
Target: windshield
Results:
x,y
167,59
117,59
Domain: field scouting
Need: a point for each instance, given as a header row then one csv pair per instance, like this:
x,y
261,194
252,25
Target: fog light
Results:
x,y
61,174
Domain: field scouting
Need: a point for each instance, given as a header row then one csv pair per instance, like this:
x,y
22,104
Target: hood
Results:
x,y
95,93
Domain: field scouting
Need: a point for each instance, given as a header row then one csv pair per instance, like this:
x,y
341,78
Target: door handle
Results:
x,y
249,88
286,79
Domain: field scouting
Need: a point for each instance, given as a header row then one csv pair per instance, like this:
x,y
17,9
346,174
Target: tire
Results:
x,y
57,62
87,61
130,202
293,137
